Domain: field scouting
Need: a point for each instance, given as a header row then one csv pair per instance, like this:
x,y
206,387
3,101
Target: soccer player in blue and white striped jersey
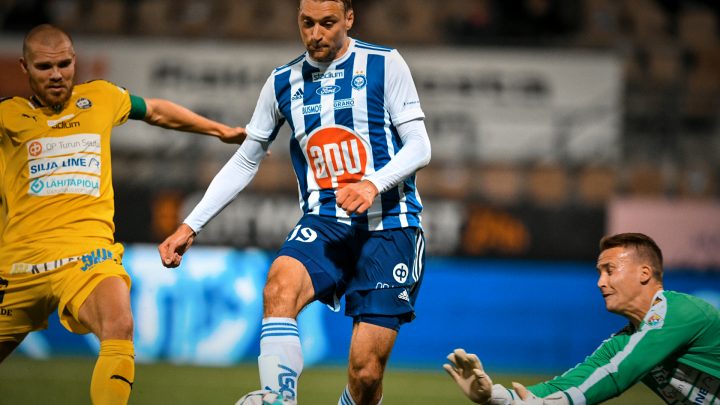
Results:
x,y
358,137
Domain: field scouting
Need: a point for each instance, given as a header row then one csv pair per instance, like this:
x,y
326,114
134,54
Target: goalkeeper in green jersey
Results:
x,y
672,343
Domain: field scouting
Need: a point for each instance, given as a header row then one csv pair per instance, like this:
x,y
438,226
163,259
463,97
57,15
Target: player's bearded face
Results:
x,y
51,72
323,28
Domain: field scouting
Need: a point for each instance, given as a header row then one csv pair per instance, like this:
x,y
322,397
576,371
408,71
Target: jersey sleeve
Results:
x,y
401,96
228,183
119,100
623,360
266,119
579,374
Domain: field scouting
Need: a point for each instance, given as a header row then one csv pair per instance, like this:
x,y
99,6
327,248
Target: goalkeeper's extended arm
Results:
x,y
467,371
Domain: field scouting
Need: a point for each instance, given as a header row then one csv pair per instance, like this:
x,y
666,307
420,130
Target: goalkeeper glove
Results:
x,y
469,375
467,371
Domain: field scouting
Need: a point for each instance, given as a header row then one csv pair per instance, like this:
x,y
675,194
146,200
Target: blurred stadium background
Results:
x,y
553,122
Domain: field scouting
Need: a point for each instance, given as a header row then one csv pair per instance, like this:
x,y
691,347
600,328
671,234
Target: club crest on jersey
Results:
x,y
83,103
330,74
337,156
359,81
654,320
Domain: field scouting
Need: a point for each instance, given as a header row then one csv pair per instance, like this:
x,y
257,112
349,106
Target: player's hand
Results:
x,y
356,198
172,249
468,373
235,135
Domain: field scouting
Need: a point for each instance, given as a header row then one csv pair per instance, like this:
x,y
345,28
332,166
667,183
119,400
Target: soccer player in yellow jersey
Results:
x,y
57,248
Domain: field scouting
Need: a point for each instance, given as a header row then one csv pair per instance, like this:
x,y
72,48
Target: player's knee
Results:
x,y
366,377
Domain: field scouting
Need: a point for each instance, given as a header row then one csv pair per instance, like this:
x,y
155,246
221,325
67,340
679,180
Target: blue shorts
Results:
x,y
379,272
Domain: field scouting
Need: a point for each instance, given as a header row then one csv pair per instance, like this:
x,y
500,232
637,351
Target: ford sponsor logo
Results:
x,y
326,90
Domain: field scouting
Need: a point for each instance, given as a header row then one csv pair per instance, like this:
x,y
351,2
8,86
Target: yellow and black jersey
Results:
x,y
56,194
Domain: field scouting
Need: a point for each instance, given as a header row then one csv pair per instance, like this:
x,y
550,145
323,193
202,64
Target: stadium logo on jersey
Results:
x,y
52,123
327,90
330,74
359,81
66,125
337,156
400,272
298,95
83,103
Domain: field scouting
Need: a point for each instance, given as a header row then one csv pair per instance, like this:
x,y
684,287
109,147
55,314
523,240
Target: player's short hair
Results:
x,y
43,31
644,245
347,4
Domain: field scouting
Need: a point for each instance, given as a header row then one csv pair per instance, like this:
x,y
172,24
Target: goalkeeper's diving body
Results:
x,y
672,343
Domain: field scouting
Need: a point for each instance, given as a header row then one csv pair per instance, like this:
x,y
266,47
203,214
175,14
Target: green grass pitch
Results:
x,y
62,381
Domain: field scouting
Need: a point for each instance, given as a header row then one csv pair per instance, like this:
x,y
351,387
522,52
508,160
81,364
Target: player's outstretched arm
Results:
x,y
166,114
467,371
172,249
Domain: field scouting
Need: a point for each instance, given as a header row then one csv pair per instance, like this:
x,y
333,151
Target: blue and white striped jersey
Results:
x,y
343,117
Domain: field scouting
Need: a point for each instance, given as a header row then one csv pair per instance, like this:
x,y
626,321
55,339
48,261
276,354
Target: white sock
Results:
x,y
347,399
280,362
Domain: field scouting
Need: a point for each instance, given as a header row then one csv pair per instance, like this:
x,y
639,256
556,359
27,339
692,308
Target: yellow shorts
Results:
x,y
27,300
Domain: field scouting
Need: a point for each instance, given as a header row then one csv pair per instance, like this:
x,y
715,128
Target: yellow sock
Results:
x,y
114,373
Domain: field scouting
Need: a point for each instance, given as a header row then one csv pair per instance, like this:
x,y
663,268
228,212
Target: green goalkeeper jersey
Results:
x,y
675,352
